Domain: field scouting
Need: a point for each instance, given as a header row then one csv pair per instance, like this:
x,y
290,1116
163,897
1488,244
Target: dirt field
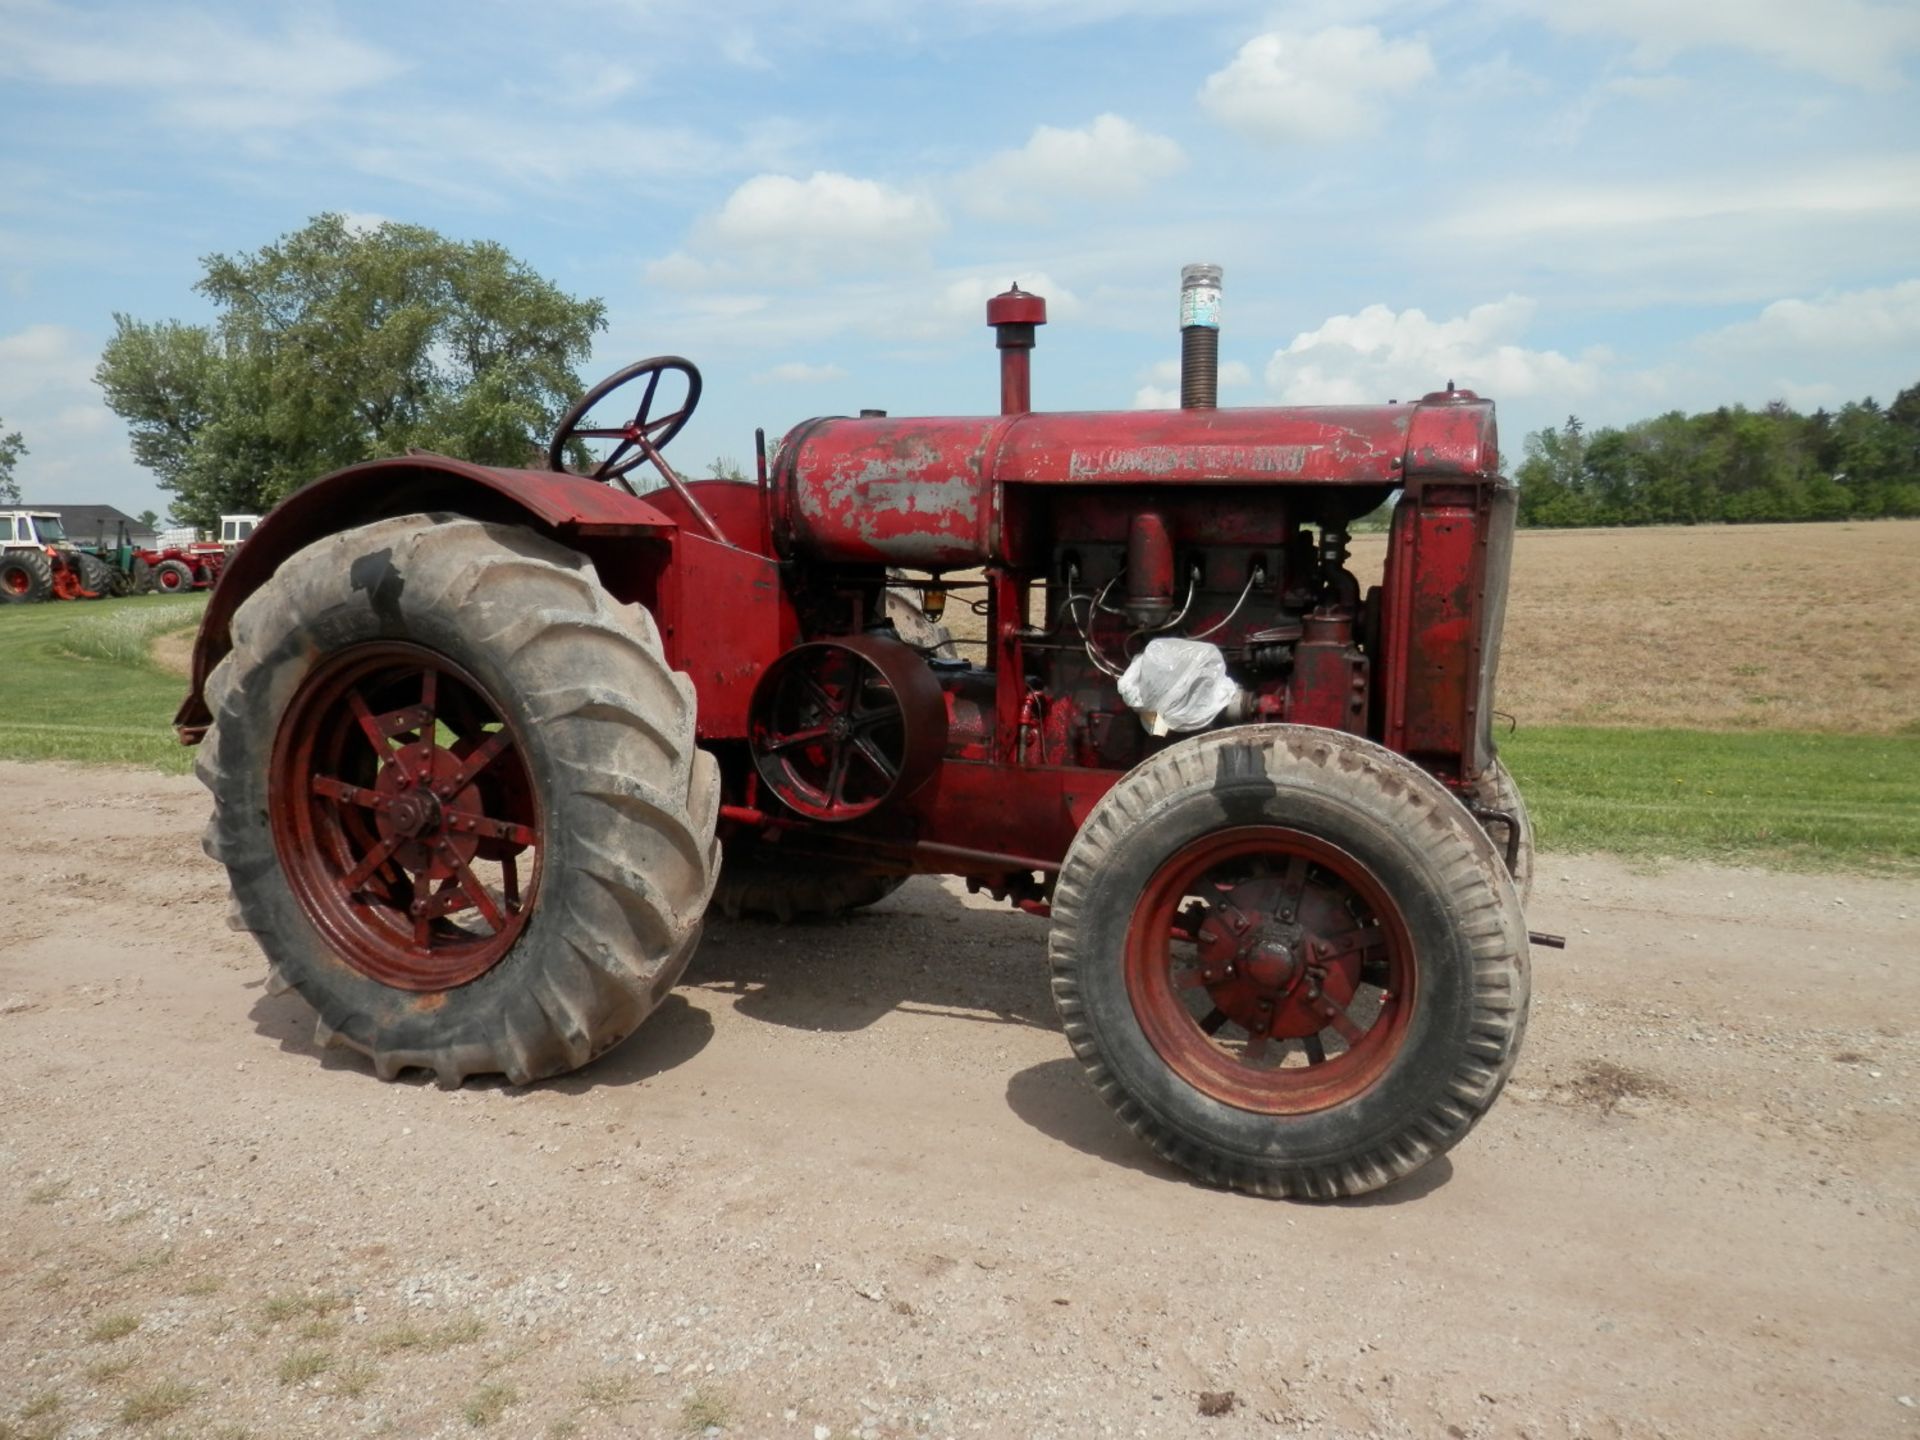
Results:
x,y
850,1181
1777,627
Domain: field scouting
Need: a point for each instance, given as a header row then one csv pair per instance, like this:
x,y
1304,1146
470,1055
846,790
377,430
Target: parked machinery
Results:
x,y
478,739
37,562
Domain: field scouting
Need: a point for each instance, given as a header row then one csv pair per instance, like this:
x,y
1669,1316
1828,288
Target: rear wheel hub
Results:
x,y
404,816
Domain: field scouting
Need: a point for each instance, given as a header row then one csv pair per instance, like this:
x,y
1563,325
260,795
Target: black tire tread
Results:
x,y
95,574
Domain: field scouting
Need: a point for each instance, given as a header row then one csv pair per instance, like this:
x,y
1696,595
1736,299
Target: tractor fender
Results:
x,y
571,508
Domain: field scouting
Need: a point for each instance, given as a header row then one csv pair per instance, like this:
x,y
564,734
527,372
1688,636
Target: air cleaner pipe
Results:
x,y
1200,337
1014,314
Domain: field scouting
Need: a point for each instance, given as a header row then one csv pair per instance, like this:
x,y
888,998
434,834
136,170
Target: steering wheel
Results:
x,y
643,434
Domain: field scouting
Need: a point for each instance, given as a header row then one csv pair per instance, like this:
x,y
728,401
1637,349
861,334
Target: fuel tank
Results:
x,y
931,493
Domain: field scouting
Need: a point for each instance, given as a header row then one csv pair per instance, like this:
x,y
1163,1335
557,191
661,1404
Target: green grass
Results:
x,y
78,683
1781,799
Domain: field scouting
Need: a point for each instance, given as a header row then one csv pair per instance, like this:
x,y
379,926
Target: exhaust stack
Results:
x,y
1200,337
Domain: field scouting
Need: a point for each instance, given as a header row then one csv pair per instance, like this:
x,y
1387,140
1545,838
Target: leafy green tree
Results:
x,y
335,345
12,447
148,520
1729,464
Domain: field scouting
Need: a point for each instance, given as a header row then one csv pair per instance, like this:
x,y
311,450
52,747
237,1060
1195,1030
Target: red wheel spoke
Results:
x,y
1316,1052
496,744
1292,884
822,696
625,432
799,737
1255,1049
476,892
510,882
370,727
371,862
1360,941
460,820
1189,977
837,775
1338,1018
332,789
870,752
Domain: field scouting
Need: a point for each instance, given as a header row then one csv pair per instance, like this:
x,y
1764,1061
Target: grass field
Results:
x,y
77,681
1742,693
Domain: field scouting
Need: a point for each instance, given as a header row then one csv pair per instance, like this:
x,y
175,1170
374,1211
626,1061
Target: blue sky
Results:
x,y
1602,207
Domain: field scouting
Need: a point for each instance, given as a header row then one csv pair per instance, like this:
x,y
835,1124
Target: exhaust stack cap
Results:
x,y
1200,296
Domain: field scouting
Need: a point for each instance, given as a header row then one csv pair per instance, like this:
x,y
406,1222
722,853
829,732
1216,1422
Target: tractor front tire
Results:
x,y
172,577
96,576
25,576
757,883
1291,961
411,703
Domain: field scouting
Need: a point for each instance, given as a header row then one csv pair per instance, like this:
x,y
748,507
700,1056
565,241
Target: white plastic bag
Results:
x,y
1178,685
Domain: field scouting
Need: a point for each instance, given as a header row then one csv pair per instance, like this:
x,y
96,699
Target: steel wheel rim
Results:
x,y
833,742
398,790
1267,916
16,580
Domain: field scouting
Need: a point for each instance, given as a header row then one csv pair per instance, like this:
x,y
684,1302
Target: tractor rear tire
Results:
x,y
1496,790
594,769
1313,874
172,577
25,576
142,577
761,884
96,575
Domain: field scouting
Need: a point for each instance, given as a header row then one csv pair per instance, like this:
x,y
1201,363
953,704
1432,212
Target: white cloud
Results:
x,y
965,297
829,219
1867,188
1381,354
200,69
1110,158
799,372
1852,321
1851,41
1328,85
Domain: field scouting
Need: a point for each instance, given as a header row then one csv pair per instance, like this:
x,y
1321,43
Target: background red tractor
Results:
x,y
479,739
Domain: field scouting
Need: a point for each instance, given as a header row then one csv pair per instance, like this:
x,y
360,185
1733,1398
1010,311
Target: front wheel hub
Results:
x,y
1270,970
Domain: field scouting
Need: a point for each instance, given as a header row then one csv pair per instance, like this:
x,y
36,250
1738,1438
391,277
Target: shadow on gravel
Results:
x,y
1056,1098
921,951
671,1036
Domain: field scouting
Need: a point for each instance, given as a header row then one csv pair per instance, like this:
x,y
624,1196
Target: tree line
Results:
x,y
1733,464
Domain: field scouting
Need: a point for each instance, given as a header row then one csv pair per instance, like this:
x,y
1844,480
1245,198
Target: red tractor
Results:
x,y
487,744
